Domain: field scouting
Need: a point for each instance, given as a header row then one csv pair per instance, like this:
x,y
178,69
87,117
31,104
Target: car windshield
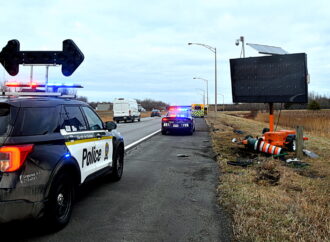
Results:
x,y
180,114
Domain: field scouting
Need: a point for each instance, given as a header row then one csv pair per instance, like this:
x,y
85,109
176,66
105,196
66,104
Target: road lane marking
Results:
x,y
127,147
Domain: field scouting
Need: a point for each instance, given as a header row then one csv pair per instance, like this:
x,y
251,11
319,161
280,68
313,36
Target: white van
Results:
x,y
126,109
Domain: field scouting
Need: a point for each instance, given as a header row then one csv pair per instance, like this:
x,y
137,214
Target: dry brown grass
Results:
x,y
316,122
295,208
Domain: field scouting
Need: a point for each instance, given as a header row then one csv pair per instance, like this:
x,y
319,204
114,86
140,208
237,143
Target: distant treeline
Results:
x,y
322,100
147,104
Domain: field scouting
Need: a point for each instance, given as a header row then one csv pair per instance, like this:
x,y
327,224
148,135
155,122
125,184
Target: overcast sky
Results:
x,y
139,49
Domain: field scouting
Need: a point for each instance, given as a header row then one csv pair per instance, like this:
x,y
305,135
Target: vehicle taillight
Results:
x,y
13,157
165,119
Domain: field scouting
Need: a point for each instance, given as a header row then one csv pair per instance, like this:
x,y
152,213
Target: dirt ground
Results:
x,y
269,199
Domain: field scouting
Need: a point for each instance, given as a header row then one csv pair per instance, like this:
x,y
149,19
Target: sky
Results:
x,y
138,49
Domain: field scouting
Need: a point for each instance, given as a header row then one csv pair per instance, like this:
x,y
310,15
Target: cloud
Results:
x,y
139,48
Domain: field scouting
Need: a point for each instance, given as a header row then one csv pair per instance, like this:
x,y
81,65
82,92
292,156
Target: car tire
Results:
x,y
60,202
164,132
265,130
118,166
190,132
139,119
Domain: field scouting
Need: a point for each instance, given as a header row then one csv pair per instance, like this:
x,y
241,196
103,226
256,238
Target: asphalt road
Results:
x,y
137,130
161,197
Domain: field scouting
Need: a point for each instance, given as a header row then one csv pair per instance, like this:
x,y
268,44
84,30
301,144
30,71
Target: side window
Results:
x,y
36,121
72,119
93,120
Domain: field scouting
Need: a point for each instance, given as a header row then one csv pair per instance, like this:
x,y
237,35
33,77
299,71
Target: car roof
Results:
x,y
38,101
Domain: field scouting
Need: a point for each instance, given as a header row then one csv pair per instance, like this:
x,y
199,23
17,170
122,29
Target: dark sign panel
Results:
x,y
70,58
277,79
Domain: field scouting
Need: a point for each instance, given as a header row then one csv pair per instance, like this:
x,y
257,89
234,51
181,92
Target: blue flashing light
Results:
x,y
67,155
62,85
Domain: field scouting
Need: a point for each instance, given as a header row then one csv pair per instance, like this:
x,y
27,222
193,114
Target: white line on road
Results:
x,y
127,147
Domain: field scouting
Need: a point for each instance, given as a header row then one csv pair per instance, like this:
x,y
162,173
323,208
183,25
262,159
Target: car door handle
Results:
x,y
98,136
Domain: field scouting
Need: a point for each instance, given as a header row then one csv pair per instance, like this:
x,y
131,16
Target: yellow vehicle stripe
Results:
x,y
81,141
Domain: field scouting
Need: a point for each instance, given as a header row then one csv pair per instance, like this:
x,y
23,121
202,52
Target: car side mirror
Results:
x,y
110,125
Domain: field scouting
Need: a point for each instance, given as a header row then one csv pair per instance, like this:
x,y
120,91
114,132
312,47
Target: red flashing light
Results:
x,y
13,157
165,119
33,84
12,84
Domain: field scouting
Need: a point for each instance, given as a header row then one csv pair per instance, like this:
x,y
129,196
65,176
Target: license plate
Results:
x,y
175,125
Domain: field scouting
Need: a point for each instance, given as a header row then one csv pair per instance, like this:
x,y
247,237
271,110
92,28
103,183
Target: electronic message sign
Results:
x,y
270,79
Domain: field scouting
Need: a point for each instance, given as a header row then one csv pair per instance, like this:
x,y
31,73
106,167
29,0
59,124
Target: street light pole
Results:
x,y
203,94
214,50
207,89
223,101
215,78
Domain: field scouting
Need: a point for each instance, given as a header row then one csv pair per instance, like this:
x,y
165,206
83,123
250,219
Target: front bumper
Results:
x,y
123,118
19,210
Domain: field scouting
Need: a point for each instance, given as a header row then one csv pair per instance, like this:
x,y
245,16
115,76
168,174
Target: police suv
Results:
x,y
178,119
49,146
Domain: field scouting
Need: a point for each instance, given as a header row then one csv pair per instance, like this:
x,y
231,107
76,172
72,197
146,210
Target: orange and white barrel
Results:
x,y
268,148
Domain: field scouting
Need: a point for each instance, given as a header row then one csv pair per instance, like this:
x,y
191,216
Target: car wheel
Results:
x,y
265,130
164,132
117,166
60,202
190,132
139,119
133,120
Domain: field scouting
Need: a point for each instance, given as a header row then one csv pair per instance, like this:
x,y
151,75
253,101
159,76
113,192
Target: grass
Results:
x,y
317,122
296,207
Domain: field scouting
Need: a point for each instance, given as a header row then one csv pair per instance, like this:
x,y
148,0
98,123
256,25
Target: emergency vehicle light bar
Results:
x,y
37,94
179,108
53,94
34,85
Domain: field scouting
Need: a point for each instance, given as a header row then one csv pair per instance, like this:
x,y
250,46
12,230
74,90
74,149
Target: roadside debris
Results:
x,y
262,146
296,162
182,155
310,154
241,162
238,131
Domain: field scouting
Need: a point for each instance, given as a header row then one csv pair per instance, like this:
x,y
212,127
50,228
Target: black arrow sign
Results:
x,y
70,58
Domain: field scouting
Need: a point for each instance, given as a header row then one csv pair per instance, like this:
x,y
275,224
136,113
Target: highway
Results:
x,y
137,130
161,196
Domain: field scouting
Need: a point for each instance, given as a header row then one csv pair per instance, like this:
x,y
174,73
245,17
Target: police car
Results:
x,y
178,119
49,146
